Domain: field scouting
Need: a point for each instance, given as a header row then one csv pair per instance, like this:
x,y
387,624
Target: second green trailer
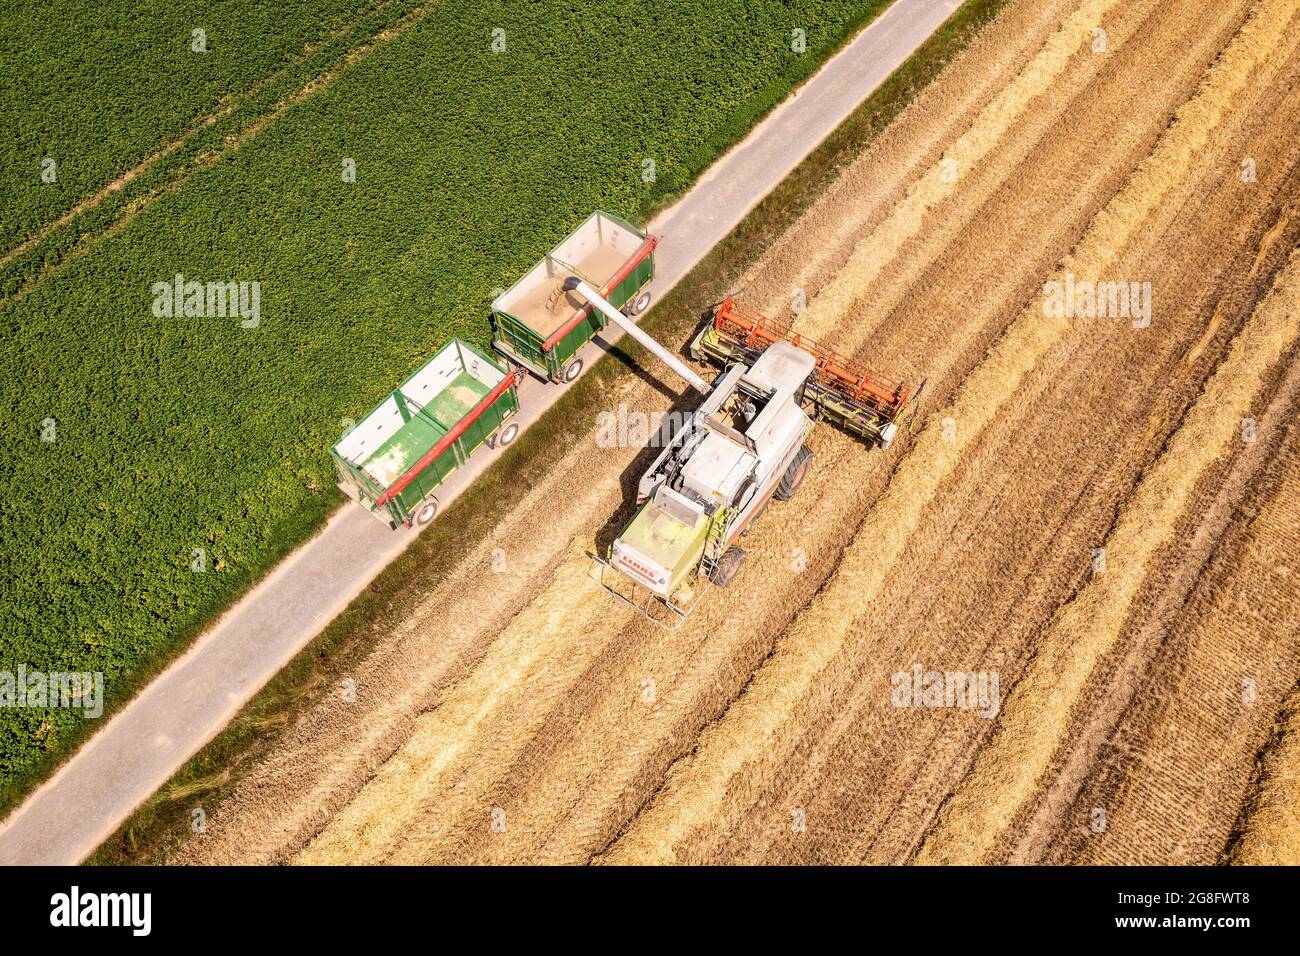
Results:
x,y
540,327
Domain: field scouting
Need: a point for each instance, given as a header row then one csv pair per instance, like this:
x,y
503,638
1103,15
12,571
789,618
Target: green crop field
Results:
x,y
136,440
98,92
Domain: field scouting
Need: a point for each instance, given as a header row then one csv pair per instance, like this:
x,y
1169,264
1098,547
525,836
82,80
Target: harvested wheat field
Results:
x,y
1096,517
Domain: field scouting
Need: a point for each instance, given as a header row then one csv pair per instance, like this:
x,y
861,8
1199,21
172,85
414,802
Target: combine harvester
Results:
x,y
743,446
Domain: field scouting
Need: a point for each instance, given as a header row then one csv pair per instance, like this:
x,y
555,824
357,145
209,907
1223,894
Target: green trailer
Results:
x,y
539,326
392,460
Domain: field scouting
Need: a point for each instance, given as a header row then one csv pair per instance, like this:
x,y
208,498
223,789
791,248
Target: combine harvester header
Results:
x,y
857,399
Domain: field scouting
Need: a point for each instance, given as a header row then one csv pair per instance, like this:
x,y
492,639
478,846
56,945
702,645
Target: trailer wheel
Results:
x,y
507,434
794,475
427,512
728,567
639,304
572,370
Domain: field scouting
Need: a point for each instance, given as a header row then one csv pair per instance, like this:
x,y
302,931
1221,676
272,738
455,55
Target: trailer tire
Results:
x,y
508,434
794,475
571,371
639,304
426,512
728,567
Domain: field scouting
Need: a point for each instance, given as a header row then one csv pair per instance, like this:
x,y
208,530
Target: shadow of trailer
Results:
x,y
395,457
540,326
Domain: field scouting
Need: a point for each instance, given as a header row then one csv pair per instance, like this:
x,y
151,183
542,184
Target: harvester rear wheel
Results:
x,y
728,567
794,475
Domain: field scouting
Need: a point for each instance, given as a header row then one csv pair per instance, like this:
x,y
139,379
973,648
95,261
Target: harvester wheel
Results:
x,y
572,370
728,567
794,475
427,512
639,304
507,435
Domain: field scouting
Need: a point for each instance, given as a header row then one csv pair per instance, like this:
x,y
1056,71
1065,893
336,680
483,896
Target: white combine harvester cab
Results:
x,y
742,447
715,475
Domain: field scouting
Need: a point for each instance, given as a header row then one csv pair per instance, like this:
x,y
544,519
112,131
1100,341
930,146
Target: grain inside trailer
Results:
x,y
540,326
424,430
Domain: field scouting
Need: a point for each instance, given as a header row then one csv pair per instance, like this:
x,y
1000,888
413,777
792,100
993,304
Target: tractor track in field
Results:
x,y
227,107
1060,680
519,717
1268,829
1101,754
1179,760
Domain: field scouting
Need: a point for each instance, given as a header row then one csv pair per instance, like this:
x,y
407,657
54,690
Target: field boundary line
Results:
x,y
697,785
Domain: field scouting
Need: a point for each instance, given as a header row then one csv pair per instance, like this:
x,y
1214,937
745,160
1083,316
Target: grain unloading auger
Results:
x,y
743,446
